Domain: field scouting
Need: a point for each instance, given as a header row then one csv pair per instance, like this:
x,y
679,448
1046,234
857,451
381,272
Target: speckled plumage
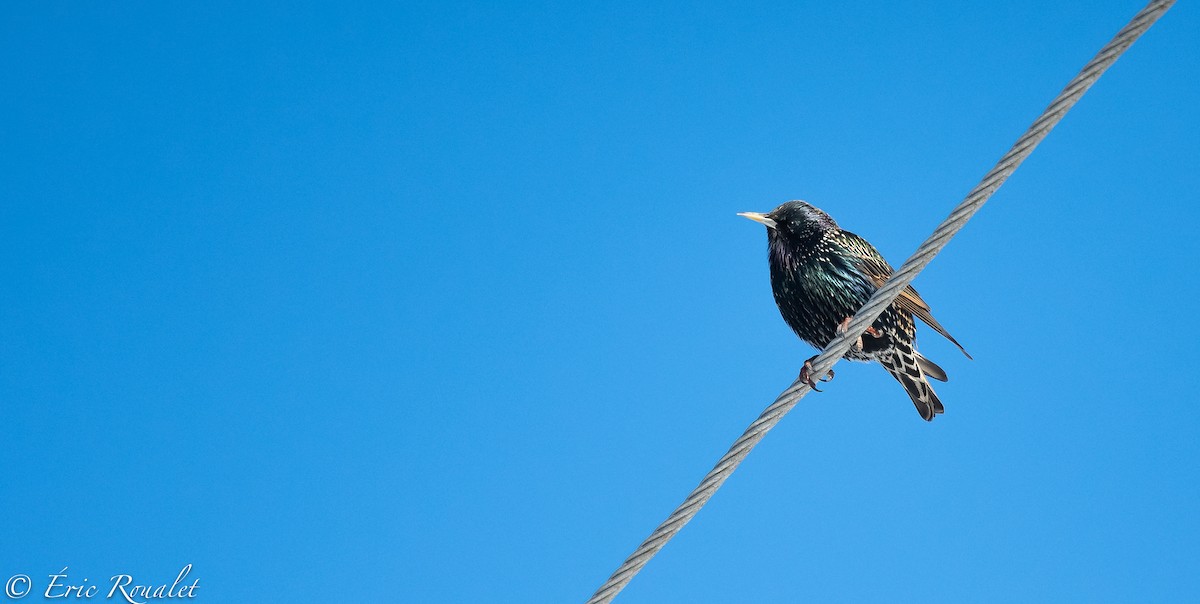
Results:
x,y
821,275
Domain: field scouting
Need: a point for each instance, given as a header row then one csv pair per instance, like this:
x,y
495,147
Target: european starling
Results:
x,y
821,275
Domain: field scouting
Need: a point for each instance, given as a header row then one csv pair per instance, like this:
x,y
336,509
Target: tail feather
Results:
x,y
905,365
930,368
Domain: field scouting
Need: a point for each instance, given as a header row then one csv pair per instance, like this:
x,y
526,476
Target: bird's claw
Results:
x,y
806,375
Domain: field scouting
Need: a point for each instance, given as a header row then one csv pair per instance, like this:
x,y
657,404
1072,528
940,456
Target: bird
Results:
x,y
821,275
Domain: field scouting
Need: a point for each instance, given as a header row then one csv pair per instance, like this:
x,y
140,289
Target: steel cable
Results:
x,y
882,298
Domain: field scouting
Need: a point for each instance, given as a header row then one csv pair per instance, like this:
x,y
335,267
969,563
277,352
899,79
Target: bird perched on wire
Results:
x,y
821,275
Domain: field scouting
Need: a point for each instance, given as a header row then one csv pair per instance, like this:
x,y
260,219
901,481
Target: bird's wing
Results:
x,y
911,301
878,269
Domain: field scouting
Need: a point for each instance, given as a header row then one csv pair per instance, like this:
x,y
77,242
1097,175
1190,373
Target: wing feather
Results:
x,y
878,269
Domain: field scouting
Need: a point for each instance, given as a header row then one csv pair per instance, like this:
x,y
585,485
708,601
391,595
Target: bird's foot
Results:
x,y
806,374
857,346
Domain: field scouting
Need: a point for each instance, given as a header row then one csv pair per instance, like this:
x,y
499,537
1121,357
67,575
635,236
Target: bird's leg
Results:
x,y
857,346
806,374
858,343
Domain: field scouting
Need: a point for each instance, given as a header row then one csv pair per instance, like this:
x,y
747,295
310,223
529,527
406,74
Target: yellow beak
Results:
x,y
757,217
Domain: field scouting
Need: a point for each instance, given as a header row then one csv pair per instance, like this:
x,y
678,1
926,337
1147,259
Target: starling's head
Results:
x,y
794,220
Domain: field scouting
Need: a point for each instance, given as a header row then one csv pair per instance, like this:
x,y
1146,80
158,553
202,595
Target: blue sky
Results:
x,y
450,303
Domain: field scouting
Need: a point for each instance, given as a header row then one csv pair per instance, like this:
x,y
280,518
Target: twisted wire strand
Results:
x,y
882,298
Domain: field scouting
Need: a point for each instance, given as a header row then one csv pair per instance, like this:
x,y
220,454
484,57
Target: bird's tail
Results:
x,y
905,365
